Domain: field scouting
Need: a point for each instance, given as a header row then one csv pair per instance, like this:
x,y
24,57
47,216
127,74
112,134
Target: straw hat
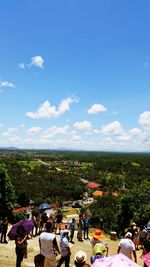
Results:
x,y
80,256
98,234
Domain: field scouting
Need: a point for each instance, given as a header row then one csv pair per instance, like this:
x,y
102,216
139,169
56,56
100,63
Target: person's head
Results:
x,y
48,226
97,234
128,235
66,226
65,232
99,249
80,258
39,260
20,230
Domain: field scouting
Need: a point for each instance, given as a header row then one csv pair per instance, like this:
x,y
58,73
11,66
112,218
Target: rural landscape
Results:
x,y
75,133
122,193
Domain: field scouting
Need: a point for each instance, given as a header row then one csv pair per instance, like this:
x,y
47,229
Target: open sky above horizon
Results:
x,y
75,74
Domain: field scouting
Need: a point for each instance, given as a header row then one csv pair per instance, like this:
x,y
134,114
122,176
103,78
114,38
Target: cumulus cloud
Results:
x,y
96,108
34,130
53,131
135,132
6,84
36,61
46,110
144,120
113,128
83,125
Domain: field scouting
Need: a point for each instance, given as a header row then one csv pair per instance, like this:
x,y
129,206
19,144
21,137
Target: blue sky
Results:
x,y
75,74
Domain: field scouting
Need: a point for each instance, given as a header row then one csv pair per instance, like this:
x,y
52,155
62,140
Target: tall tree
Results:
x,y
7,193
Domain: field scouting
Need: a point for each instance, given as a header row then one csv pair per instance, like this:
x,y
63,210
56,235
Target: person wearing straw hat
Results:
x,y
80,259
97,237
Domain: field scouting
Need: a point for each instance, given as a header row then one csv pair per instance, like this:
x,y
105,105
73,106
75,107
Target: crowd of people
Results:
x,y
48,227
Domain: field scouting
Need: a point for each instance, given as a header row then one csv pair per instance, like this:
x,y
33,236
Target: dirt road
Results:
x,y
8,257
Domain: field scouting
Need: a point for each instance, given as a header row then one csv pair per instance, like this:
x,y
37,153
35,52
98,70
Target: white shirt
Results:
x,y
64,246
46,241
127,247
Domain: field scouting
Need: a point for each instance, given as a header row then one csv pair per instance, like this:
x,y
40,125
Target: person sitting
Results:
x,y
80,259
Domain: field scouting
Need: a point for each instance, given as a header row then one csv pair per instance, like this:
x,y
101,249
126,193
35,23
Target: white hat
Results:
x,y
80,256
128,234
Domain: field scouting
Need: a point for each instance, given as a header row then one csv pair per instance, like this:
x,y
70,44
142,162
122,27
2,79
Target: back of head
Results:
x,y
48,226
128,235
39,260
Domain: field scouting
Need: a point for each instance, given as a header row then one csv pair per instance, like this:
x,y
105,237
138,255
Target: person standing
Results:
x,y
80,228
59,218
86,227
65,249
4,227
48,246
72,229
21,245
127,247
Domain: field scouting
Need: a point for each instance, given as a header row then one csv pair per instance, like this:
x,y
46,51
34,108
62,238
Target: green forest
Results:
x,y
55,176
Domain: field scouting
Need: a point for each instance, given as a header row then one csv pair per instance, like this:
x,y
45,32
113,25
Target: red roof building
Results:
x,y
93,185
22,209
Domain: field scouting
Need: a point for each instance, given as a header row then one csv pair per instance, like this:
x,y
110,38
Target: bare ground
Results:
x,y
8,257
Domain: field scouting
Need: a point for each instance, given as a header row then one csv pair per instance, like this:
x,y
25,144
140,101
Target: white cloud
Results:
x,y
113,128
6,84
48,111
10,131
37,61
53,131
15,139
96,108
83,125
144,120
34,130
135,132
1,124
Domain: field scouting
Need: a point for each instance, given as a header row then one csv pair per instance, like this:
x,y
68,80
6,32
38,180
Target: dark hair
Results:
x,y
20,228
38,259
48,226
